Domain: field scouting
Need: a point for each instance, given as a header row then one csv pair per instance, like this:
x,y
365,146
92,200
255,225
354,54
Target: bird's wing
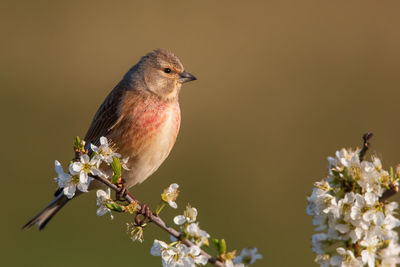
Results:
x,y
107,116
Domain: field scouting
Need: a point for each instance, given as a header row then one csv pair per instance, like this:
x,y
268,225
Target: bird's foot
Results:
x,y
120,195
145,212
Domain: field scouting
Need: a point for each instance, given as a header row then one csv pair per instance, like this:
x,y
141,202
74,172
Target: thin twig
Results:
x,y
366,144
157,220
393,189
389,193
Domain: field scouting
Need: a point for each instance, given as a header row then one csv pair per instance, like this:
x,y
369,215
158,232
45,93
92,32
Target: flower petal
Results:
x,y
103,141
203,260
85,158
194,250
174,186
69,191
101,211
83,177
83,187
75,168
157,247
172,204
97,172
94,148
58,167
101,194
179,220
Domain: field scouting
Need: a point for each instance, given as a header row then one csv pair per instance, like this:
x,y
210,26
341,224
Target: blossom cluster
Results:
x,y
97,161
354,228
177,254
78,176
246,256
191,228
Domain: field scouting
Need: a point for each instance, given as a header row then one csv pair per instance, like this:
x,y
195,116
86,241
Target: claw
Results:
x,y
119,195
145,212
137,220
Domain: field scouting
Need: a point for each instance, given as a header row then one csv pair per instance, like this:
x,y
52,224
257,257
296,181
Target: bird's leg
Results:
x,y
122,192
145,212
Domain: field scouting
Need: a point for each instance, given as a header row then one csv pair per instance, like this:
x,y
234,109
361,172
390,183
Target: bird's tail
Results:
x,y
47,213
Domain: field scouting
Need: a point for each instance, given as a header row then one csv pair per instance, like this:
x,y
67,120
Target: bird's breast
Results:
x,y
155,125
149,137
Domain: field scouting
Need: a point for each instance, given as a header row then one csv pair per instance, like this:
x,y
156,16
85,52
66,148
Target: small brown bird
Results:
x,y
141,115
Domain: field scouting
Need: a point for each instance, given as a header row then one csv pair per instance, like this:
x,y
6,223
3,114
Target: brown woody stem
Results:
x,y
157,220
366,144
389,193
393,189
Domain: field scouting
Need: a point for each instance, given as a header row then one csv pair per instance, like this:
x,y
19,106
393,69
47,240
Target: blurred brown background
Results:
x,y
281,85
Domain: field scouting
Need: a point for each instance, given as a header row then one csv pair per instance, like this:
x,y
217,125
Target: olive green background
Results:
x,y
281,85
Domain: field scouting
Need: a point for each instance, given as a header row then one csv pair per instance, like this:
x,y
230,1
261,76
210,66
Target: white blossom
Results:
x,y
85,166
124,164
135,232
170,195
347,212
345,258
247,256
177,254
368,254
200,237
390,255
103,197
194,252
69,183
230,263
158,247
104,151
189,215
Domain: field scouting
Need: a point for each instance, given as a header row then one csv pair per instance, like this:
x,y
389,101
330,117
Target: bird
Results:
x,y
141,116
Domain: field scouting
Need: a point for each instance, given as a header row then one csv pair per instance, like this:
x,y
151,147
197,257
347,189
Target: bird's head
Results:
x,y
163,73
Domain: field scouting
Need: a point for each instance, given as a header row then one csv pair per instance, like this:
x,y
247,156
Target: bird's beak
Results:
x,y
186,77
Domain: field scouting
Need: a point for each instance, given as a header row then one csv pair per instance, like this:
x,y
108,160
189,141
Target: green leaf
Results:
x,y
220,245
114,206
116,166
79,144
391,173
215,242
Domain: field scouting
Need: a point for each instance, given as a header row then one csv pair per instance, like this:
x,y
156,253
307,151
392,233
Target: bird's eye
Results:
x,y
167,70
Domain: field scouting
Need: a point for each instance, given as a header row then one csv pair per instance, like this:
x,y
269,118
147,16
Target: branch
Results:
x,y
366,144
389,193
157,220
393,189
